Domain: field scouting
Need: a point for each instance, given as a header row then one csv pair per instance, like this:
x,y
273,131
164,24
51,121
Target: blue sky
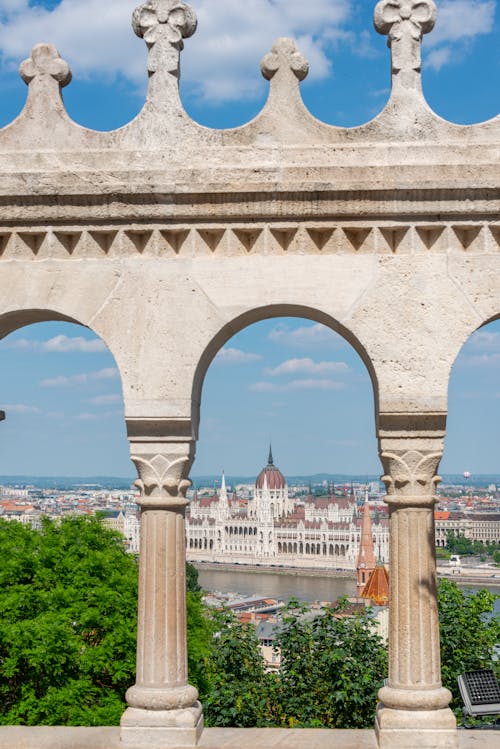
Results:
x,y
288,380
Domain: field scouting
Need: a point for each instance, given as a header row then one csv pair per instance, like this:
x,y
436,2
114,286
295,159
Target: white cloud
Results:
x,y
236,356
307,366
305,335
80,379
458,20
438,58
60,344
106,400
306,384
484,340
20,408
479,360
222,60
88,416
458,23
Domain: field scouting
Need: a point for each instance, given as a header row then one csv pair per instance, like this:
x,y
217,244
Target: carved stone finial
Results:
x,y
405,22
45,63
284,56
163,24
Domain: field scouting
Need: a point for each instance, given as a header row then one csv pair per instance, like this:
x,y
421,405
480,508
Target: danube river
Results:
x,y
276,585
285,585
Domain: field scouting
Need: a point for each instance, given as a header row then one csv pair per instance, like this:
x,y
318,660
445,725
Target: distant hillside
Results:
x,y
68,482
124,484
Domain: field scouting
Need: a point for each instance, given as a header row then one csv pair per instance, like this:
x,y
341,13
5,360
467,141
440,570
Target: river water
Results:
x,y
287,585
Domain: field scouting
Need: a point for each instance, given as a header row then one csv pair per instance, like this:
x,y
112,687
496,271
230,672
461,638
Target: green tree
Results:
x,y
239,688
192,584
332,667
469,634
68,607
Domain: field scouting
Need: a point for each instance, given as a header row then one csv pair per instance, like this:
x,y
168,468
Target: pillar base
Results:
x,y
161,729
416,729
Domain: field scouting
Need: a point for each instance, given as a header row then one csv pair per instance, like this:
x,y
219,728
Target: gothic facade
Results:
x,y
272,528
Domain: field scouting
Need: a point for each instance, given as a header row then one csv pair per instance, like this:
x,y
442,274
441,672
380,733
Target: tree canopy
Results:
x,y
469,634
68,610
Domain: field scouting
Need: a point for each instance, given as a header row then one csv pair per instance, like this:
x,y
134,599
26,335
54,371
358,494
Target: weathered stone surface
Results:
x,y
18,737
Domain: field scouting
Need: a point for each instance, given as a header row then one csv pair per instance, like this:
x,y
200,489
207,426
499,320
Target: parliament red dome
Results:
x,y
271,476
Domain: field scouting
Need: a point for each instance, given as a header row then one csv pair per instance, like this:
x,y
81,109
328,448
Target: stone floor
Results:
x,y
16,737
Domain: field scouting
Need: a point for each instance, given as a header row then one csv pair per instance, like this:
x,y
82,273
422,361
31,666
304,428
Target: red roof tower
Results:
x,y
366,556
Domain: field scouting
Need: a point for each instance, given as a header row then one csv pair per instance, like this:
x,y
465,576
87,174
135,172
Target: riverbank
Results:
x,y
275,570
464,578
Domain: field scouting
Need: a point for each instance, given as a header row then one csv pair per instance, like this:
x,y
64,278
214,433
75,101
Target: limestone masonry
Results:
x,y
160,236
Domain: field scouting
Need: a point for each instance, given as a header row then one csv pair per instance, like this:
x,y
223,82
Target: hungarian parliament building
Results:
x,y
272,528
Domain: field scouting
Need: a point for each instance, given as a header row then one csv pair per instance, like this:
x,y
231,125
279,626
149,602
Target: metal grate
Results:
x,y
483,687
480,693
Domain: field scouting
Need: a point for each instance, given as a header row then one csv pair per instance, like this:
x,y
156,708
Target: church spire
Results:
x,y
270,460
223,490
366,556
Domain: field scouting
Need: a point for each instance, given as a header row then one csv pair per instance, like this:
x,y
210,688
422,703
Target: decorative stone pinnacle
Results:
x,y
163,24
405,22
284,55
45,62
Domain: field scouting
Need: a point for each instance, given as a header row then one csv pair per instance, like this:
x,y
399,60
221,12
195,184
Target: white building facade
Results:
x,y
273,528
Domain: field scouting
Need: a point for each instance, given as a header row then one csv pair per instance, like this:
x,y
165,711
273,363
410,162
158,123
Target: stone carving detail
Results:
x,y
162,474
45,62
163,24
328,238
284,55
405,22
411,474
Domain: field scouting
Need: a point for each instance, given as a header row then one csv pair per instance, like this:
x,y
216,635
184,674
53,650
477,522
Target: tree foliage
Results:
x,y
239,688
469,633
457,543
332,668
68,608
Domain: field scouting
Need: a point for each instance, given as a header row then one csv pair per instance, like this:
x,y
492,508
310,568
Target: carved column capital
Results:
x,y
163,477
164,24
163,452
411,477
411,448
405,22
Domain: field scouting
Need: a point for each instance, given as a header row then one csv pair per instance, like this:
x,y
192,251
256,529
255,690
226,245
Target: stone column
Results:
x,y
414,708
163,708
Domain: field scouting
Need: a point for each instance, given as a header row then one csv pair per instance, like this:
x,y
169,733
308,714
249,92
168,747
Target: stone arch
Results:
x,y
277,311
70,311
